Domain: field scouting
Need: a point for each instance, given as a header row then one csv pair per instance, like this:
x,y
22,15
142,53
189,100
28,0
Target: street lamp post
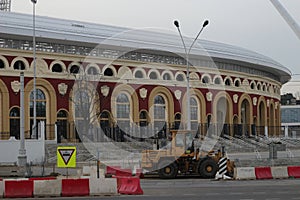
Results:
x,y
34,69
187,53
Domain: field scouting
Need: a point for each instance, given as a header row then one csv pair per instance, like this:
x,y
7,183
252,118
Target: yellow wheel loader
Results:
x,y
181,156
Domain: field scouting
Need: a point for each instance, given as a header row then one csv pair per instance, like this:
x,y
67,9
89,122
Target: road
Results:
x,y
194,189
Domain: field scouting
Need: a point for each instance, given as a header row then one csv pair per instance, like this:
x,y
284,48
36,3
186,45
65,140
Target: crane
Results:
x,y
287,17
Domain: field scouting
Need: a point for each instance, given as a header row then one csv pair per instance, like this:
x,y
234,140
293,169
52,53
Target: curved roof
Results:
x,y
69,30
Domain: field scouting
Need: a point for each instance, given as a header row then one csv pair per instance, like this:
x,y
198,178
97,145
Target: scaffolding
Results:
x,y
5,5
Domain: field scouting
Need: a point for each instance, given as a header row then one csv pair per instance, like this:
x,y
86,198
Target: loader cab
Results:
x,y
182,142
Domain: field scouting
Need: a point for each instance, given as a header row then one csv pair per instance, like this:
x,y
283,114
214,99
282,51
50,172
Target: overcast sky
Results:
x,y
252,24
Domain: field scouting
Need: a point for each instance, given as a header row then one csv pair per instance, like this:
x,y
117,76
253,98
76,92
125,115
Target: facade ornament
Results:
x,y
62,88
254,101
105,90
268,103
235,98
209,96
178,94
15,86
143,93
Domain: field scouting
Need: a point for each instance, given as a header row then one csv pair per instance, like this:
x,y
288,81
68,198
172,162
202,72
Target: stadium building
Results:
x,y
138,80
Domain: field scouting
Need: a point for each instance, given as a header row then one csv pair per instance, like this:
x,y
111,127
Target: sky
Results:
x,y
252,24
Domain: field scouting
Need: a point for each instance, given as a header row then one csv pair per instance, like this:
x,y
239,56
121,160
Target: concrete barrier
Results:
x,y
75,187
1,188
103,186
279,172
263,173
47,188
18,188
243,173
294,171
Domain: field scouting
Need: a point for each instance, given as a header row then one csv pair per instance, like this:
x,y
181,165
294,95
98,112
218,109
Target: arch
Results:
x,y
14,122
194,76
253,85
62,118
272,116
261,116
109,71
18,59
159,90
218,80
259,86
4,64
223,112
139,73
124,73
177,121
133,99
167,75
237,82
228,81
180,76
4,109
206,79
154,74
92,69
245,110
50,96
60,63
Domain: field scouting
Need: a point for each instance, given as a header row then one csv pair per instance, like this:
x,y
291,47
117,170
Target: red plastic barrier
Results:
x,y
75,187
111,170
139,173
294,171
42,178
263,173
124,172
18,189
130,185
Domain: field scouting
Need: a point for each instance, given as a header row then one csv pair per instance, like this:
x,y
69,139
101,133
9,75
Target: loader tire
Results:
x,y
168,169
208,168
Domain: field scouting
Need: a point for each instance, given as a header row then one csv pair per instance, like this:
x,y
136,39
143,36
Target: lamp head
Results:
x,y
34,1
205,23
176,23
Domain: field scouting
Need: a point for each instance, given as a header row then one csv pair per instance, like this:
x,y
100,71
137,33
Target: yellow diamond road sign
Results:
x,y
66,156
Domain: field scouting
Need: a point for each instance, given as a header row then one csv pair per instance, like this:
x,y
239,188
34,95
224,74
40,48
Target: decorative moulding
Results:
x,y
178,94
209,96
105,90
254,101
62,88
235,98
15,86
143,93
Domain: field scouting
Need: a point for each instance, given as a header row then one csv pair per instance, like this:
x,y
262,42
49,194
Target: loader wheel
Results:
x,y
208,168
168,169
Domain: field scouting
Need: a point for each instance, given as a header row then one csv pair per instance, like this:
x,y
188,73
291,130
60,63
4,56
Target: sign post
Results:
x,y
66,157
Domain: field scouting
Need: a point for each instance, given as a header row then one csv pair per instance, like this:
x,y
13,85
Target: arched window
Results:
x,y
40,109
92,71
62,125
205,79
227,82
218,81
180,77
167,76
144,118
252,86
153,76
123,112
194,113
14,122
57,68
108,72
75,69
19,65
177,121
2,65
159,115
139,74
237,83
